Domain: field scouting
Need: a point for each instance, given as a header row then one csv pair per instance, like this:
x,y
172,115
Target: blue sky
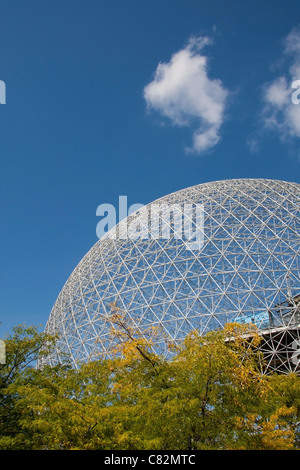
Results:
x,y
112,97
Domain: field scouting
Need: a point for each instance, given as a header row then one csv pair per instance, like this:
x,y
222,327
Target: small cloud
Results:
x,y
280,113
278,93
292,42
183,92
253,145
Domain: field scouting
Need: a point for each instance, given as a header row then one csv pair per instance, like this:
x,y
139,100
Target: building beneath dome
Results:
x,y
246,270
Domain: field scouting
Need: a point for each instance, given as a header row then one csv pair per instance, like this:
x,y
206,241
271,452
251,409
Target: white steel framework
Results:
x,y
248,270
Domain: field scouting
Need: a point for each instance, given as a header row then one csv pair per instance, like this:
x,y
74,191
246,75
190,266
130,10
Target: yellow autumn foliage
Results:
x,y
210,394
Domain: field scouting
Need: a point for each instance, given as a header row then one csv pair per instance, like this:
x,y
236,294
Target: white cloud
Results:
x,y
280,112
183,92
253,144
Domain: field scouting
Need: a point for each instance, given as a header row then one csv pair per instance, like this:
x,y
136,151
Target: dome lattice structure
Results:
x,y
248,270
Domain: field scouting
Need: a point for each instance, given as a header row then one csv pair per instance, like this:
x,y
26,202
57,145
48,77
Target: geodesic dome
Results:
x,y
246,270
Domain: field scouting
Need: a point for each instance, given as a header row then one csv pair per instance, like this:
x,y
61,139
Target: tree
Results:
x,y
23,347
209,394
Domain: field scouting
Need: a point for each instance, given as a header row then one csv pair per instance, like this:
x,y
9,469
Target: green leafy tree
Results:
x,y
22,347
211,394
